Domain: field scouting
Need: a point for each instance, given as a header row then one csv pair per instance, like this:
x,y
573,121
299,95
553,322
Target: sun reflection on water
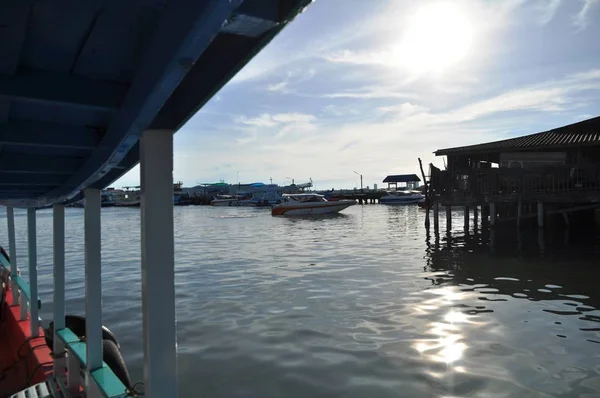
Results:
x,y
448,345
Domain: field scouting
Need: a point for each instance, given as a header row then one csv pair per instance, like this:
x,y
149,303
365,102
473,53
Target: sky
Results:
x,y
368,87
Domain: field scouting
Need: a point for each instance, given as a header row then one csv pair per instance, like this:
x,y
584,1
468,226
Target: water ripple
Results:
x,y
367,304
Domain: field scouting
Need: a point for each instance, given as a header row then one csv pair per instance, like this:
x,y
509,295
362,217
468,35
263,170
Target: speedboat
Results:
x,y
308,204
402,197
223,200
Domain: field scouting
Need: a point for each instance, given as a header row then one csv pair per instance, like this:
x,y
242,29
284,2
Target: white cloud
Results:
x,y
403,110
581,20
548,10
280,87
280,124
299,118
264,120
372,115
371,92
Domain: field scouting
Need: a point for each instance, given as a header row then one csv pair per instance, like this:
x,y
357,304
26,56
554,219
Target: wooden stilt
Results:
x,y
485,213
475,215
519,211
467,217
448,218
540,214
492,214
436,216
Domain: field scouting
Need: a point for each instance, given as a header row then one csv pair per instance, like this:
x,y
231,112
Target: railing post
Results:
x,y
158,264
58,233
74,375
33,286
12,249
93,284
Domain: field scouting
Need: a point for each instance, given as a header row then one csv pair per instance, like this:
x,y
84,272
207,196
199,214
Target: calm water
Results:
x,y
360,305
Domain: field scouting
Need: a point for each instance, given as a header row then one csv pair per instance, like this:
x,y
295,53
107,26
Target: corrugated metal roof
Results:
x,y
402,178
586,133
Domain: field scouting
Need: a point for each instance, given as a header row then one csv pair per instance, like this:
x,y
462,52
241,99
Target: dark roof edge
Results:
x,y
490,149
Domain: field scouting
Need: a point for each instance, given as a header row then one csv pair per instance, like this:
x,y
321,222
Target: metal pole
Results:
x,y
12,248
33,288
158,264
93,282
59,286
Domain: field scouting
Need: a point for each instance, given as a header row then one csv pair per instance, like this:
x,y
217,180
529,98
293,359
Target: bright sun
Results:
x,y
438,36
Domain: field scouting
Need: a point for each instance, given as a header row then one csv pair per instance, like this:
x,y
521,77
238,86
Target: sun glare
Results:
x,y
438,36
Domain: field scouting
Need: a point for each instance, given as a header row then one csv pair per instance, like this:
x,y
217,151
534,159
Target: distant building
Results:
x,y
407,181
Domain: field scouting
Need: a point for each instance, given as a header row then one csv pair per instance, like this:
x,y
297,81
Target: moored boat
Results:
x,y
230,200
265,199
402,197
309,204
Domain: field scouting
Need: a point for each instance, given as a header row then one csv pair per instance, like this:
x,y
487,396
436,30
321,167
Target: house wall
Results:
x,y
530,160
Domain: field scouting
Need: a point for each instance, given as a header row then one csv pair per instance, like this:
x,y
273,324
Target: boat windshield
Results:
x,y
306,198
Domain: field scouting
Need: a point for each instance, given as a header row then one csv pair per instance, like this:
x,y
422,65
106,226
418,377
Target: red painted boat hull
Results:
x,y
29,366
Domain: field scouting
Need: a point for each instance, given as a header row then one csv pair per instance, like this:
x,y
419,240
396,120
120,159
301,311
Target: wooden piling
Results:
x,y
427,198
436,216
540,214
519,211
448,217
485,213
493,214
475,216
466,217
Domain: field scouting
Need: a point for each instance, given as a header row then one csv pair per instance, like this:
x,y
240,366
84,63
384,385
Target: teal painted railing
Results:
x,y
108,383
23,288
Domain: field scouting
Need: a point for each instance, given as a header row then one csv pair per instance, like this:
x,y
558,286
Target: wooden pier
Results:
x,y
552,174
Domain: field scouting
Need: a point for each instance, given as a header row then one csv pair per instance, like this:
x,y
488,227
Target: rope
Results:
x,y
134,390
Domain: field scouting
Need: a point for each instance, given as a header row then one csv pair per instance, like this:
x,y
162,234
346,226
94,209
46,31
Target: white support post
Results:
x,y
33,285
12,249
59,287
158,264
93,283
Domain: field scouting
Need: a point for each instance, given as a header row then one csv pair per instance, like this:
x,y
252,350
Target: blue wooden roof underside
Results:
x,y
81,80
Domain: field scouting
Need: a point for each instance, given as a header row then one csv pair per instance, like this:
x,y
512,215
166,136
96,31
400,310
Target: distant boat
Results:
x,y
266,199
309,204
402,198
230,200
131,197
